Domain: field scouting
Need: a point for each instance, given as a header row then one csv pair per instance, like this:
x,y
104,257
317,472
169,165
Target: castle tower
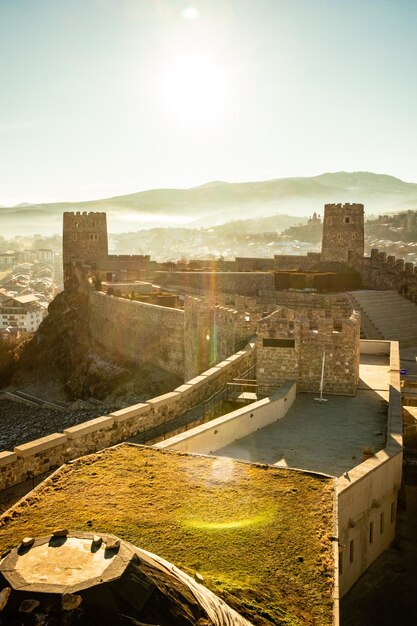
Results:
x,y
343,233
84,237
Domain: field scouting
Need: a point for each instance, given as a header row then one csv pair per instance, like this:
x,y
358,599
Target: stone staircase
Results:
x,y
387,315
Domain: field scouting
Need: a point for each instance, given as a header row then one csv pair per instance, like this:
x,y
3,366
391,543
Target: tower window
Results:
x,y
347,219
353,236
351,551
339,237
76,224
75,236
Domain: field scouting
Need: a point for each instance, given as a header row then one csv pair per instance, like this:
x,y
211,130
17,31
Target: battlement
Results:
x,y
347,206
382,271
85,214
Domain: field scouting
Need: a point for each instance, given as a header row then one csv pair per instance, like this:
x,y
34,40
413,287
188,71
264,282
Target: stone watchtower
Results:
x,y
84,237
343,233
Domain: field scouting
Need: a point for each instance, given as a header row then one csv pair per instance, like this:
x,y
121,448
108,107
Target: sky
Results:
x,y
107,97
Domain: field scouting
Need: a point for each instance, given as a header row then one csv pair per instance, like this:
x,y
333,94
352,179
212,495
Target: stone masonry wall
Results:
x,y
296,261
380,271
212,332
139,331
43,455
243,283
290,347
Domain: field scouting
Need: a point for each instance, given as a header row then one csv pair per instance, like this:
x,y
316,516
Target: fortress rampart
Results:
x,y
242,283
38,457
139,331
380,271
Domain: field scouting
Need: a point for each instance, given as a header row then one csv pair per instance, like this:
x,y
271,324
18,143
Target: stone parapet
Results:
x,y
43,455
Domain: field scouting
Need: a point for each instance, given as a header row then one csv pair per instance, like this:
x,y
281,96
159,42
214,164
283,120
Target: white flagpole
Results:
x,y
321,399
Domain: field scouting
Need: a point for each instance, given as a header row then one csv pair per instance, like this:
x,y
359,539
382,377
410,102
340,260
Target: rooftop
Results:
x,y
326,437
259,536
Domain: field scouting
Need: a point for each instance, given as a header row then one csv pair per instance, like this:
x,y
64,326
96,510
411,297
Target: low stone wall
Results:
x,y
139,331
42,455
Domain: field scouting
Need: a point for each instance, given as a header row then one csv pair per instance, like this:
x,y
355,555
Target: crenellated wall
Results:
x,y
291,347
380,271
139,331
40,456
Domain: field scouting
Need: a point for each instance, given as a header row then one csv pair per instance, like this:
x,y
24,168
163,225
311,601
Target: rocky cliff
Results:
x,y
63,356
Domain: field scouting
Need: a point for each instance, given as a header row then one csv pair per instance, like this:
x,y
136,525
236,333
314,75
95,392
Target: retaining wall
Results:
x,y
222,431
42,455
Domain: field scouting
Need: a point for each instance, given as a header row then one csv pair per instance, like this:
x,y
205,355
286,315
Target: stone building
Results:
x,y
291,348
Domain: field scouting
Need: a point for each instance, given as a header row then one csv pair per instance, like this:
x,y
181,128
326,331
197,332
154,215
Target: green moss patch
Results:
x,y
259,535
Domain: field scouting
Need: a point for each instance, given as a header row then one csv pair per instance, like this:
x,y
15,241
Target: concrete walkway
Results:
x,y
326,437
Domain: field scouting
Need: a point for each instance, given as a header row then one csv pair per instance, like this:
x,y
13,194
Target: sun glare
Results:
x,y
194,89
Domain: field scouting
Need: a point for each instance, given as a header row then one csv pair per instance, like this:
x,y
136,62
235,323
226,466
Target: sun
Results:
x,y
194,89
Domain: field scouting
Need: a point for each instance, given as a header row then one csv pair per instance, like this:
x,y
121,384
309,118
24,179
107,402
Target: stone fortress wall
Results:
x,y
45,454
380,271
139,331
290,348
213,332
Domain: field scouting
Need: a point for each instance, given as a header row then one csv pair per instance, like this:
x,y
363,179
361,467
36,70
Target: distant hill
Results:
x,y
219,202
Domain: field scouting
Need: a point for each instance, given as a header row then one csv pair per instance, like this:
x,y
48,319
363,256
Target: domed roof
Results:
x,y
86,579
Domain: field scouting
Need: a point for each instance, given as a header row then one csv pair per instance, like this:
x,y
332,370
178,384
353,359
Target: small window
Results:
x,y
392,512
351,551
371,532
75,236
270,342
339,237
76,224
93,224
353,236
347,219
381,523
340,563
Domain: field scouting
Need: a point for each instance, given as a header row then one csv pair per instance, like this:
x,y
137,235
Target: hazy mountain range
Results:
x,y
219,202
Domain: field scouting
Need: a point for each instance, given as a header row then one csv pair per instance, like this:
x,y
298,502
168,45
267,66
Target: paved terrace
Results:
x,y
326,437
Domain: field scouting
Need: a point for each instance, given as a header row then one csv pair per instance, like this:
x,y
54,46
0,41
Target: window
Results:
x,y
75,236
270,342
353,236
392,512
347,219
351,551
76,224
371,532
339,237
340,563
381,523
